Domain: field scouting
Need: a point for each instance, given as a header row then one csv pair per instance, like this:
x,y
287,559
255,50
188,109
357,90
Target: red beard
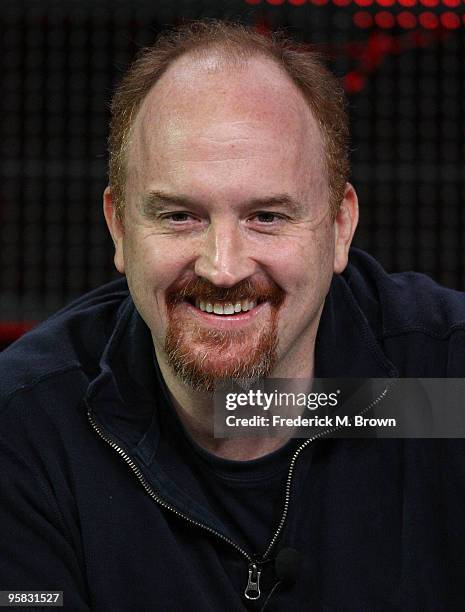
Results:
x,y
204,357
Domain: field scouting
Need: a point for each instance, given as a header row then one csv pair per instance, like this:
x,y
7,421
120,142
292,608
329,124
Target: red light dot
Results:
x,y
386,2
297,2
364,2
451,3
449,20
406,20
384,19
428,20
429,3
407,2
354,82
363,19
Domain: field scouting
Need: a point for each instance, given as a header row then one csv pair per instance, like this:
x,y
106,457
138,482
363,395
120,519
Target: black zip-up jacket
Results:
x,y
87,507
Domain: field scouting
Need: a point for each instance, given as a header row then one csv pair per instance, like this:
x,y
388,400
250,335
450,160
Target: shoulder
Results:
x,y
419,324
65,348
404,302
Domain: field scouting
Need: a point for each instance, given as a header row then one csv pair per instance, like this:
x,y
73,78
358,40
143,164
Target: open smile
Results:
x,y
226,308
223,315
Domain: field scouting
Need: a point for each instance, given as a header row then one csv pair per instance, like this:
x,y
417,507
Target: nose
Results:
x,y
223,257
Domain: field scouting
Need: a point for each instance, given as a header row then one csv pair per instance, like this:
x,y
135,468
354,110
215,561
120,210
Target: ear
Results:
x,y
345,223
116,228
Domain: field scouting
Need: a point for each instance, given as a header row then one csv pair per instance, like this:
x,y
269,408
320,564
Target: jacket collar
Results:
x,y
121,397
346,346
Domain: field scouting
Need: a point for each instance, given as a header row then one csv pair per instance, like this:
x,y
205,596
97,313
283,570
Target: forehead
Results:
x,y
211,110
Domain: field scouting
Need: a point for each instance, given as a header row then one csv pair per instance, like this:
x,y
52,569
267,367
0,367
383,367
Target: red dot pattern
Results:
x,y
450,20
407,20
389,19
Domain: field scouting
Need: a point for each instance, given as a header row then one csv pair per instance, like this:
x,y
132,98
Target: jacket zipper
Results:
x,y
252,589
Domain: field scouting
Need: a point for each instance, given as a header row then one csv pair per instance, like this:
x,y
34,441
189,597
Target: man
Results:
x,y
232,218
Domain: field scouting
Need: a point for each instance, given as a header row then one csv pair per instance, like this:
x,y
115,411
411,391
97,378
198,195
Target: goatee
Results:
x,y
205,358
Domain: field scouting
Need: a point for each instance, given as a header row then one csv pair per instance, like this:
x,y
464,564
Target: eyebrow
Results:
x,y
155,202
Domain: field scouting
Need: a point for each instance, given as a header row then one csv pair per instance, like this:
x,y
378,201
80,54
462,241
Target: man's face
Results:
x,y
228,245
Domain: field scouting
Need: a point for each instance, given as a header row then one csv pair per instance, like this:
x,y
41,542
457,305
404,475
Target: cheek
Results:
x,y
303,264
149,271
306,275
153,263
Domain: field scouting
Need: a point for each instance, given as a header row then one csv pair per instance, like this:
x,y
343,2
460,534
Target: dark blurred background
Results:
x,y
402,62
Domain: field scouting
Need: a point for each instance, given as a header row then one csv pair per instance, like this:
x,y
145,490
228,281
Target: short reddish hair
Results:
x,y
320,87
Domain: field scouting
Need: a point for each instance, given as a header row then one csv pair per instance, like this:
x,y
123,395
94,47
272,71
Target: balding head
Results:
x,y
205,113
212,49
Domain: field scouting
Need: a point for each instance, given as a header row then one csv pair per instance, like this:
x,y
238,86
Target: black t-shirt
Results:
x,y
247,496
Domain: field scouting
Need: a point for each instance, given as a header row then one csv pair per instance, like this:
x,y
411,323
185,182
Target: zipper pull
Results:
x,y
252,590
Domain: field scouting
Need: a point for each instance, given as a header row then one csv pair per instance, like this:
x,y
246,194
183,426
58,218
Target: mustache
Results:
x,y
202,289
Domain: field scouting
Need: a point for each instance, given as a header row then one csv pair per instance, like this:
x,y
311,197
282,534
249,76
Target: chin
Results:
x,y
223,358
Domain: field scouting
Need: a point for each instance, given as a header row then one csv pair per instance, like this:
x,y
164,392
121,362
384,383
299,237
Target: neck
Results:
x,y
196,411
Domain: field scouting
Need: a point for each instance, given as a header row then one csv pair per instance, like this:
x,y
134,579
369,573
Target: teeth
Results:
x,y
218,308
227,309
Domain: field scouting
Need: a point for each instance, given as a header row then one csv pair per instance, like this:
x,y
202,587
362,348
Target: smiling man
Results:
x,y
223,222
232,217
